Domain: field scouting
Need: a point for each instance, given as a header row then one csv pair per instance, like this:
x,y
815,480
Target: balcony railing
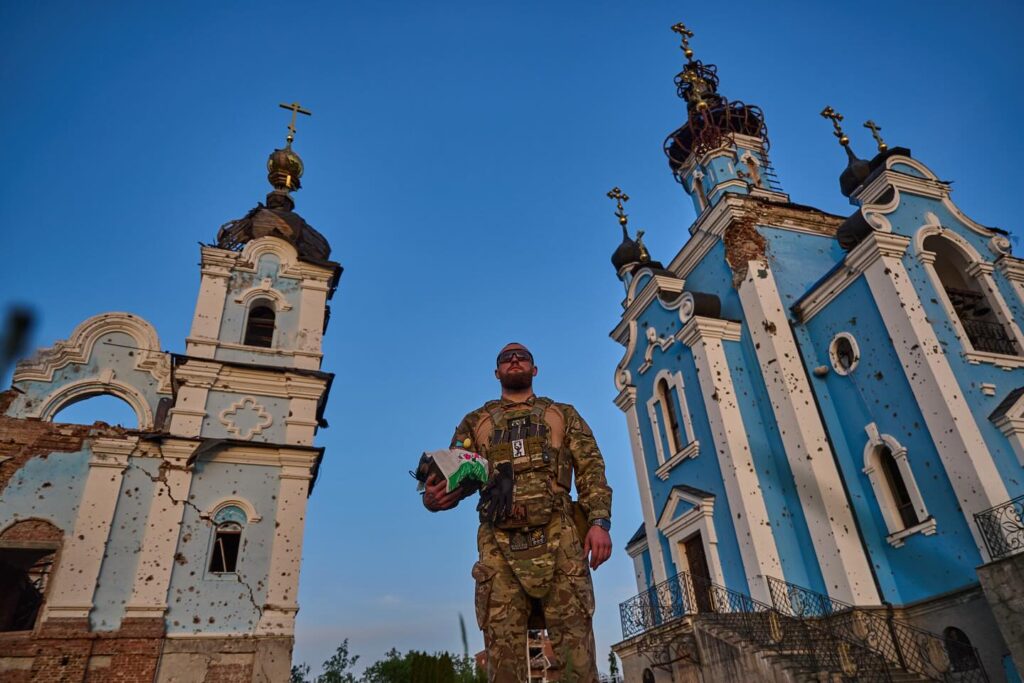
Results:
x,y
1002,528
804,643
900,644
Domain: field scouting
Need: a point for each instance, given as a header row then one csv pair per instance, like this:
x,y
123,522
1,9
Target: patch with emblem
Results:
x,y
538,537
518,449
518,541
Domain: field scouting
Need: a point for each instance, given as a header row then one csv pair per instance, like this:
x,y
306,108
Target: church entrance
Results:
x,y
700,574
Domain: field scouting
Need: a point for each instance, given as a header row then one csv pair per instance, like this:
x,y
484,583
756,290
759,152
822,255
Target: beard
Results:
x,y
517,381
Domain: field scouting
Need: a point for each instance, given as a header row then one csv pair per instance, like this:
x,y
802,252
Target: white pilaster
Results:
x,y
163,528
213,290
74,582
281,606
844,564
312,305
958,440
626,401
742,490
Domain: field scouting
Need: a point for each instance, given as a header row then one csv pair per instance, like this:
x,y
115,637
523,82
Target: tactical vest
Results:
x,y
542,472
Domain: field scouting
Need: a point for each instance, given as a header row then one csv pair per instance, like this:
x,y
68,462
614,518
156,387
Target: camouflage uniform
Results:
x,y
536,558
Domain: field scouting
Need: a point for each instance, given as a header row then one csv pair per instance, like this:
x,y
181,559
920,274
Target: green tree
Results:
x,y
300,673
613,665
337,668
394,668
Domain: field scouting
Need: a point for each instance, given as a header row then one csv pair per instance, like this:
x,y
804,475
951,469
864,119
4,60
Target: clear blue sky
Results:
x,y
457,160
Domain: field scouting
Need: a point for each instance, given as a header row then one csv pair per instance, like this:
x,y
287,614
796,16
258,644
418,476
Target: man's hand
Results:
x,y
598,546
436,499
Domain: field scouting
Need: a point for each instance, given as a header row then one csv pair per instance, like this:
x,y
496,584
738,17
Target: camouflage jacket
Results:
x,y
565,427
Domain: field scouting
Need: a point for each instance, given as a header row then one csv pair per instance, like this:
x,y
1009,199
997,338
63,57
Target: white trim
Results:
x,y
965,456
979,270
925,528
657,411
95,386
265,419
700,519
753,527
623,378
833,354
241,503
844,564
626,401
265,290
1011,424
281,606
654,341
879,484
78,350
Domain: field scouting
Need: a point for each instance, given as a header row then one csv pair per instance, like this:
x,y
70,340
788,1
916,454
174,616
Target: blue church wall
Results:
x,y
701,472
117,573
713,276
246,417
648,566
798,260
877,391
47,487
202,602
775,478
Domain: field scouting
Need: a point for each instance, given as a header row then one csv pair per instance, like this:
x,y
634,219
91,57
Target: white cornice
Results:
x,y
654,286
1012,267
626,399
699,328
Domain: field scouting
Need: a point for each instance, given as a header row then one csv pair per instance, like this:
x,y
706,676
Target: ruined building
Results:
x,y
827,421
171,551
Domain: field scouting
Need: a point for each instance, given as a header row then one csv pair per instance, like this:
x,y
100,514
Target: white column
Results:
x,y
626,401
844,564
972,471
213,290
189,411
281,603
74,581
163,527
312,304
749,513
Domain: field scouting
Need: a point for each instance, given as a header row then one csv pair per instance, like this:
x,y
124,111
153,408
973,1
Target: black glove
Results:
x,y
496,497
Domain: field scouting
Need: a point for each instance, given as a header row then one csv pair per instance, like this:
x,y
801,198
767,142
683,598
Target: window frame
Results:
x,y
883,489
256,303
657,412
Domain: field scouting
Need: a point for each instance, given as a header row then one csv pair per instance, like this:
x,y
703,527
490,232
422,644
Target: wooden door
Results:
x,y
699,572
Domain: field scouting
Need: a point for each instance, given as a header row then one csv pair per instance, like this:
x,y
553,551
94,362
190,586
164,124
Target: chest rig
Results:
x,y
542,472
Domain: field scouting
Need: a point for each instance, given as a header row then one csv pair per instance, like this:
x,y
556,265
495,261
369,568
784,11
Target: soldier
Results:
x,y
533,557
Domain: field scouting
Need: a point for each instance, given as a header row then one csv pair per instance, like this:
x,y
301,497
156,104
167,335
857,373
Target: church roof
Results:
x,y
282,222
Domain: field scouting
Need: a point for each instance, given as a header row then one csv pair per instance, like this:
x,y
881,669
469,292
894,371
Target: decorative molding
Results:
x,y
690,450
880,484
264,290
264,419
78,350
699,328
241,503
698,520
51,405
925,528
653,340
833,353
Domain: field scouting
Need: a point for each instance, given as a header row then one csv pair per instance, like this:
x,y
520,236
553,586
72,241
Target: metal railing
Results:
x,y
804,643
1002,528
900,644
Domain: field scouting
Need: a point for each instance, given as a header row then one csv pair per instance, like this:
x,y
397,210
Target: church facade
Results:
x,y
825,415
170,551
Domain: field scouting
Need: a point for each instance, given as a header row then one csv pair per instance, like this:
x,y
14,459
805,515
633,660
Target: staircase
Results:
x,y
802,637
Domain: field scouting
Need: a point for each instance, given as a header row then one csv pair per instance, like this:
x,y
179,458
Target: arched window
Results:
x,y
91,408
259,329
897,488
892,480
969,297
227,540
960,650
670,412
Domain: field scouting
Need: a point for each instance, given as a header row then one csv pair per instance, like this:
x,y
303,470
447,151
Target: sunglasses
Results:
x,y
514,354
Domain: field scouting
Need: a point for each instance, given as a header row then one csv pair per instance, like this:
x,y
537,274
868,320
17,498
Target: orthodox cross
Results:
x,y
296,109
874,127
619,196
684,34
836,117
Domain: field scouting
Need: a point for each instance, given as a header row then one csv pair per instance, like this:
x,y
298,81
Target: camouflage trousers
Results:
x,y
503,610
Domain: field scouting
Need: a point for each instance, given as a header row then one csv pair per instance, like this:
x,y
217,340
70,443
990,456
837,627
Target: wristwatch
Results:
x,y
605,524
